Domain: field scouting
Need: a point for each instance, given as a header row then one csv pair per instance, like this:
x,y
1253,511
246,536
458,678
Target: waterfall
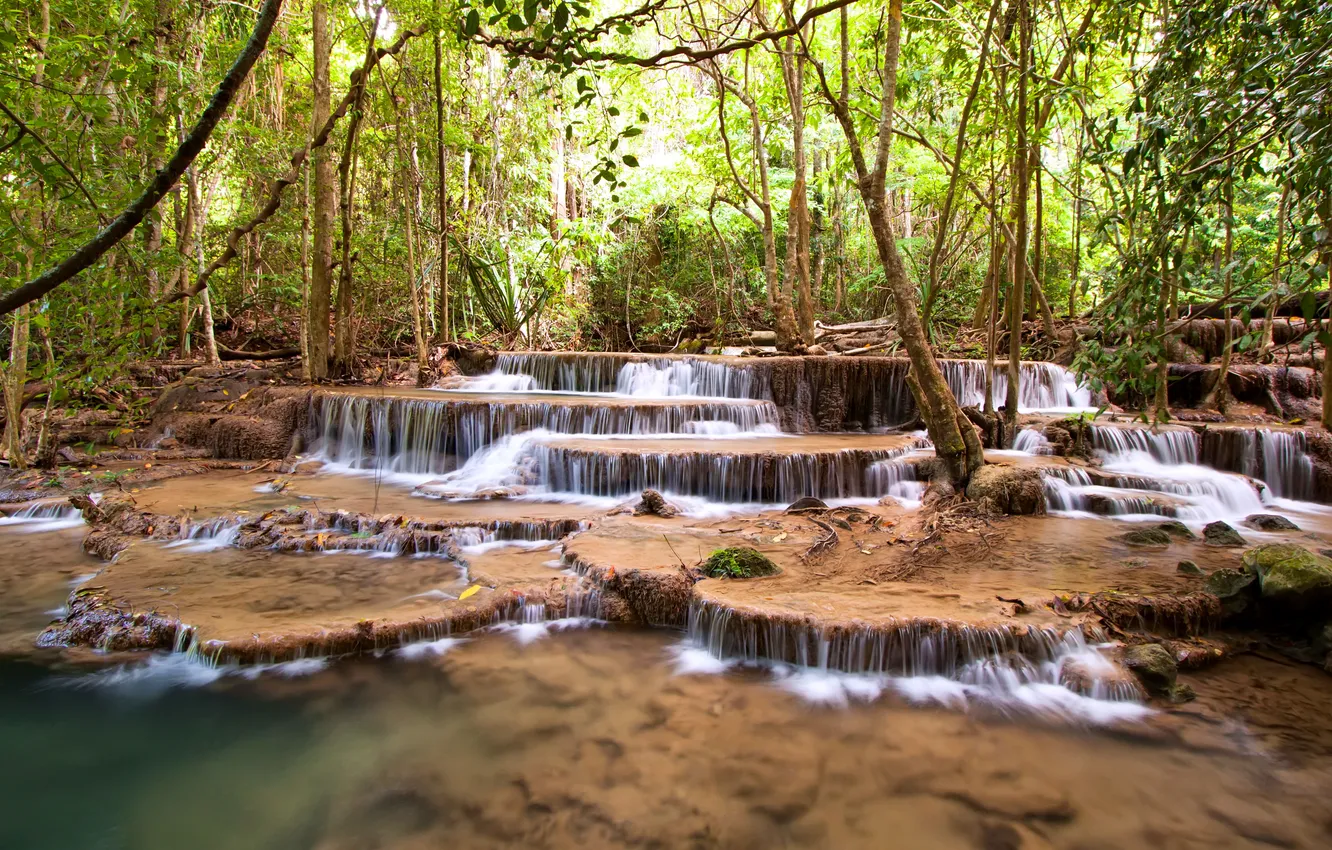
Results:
x,y
1040,669
1287,468
1031,441
1169,447
895,478
426,437
1043,386
44,516
658,377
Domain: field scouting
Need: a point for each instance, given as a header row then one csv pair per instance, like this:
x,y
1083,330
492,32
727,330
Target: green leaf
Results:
x,y
624,29
530,11
629,160
630,132
516,23
561,16
1308,304
472,24
613,111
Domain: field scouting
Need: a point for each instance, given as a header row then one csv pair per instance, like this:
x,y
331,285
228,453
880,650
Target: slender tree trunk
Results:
x,y
1020,182
941,226
992,307
306,359
955,441
15,376
441,169
344,342
1038,264
1325,216
205,300
797,327
1220,396
321,260
1265,349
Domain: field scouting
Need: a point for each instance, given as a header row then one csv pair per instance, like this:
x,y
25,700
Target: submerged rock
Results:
x,y
1270,522
807,503
1219,534
1146,537
1007,489
738,562
1177,529
1291,576
1189,568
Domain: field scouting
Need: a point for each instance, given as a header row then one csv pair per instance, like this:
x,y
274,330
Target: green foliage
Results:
x,y
739,562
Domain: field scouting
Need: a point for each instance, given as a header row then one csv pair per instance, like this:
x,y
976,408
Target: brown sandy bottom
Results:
x,y
591,739
37,571
228,491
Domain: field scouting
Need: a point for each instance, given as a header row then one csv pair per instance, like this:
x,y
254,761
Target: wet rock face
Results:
x,y
1189,568
1146,537
1270,522
1155,668
1233,587
654,503
739,562
1177,530
1291,578
1010,490
1220,534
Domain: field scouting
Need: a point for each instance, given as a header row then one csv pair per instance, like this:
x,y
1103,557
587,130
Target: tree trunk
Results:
x,y
941,225
306,360
321,259
1020,182
797,327
200,229
1220,395
1265,349
344,342
954,437
1325,216
441,169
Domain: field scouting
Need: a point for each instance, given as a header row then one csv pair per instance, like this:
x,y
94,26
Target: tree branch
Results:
x,y
24,128
123,224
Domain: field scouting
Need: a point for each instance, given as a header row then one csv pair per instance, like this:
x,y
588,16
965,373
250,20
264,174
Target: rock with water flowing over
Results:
x,y
654,503
1220,534
1154,666
1177,529
1008,489
1189,568
1270,522
1291,577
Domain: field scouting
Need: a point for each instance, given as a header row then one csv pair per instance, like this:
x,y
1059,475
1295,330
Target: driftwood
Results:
x,y
276,354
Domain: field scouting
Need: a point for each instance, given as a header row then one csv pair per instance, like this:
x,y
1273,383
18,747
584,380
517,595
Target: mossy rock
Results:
x,y
1291,575
1189,568
739,562
1004,489
1177,529
1270,522
1220,534
1146,537
1154,666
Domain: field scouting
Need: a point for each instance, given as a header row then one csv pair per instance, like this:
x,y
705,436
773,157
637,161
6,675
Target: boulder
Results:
x,y
1291,577
656,504
1146,537
807,503
739,562
1270,522
1006,489
1189,568
1219,534
1177,529
1235,589
1154,666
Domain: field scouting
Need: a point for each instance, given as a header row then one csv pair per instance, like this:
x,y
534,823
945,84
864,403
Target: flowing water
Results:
x,y
605,738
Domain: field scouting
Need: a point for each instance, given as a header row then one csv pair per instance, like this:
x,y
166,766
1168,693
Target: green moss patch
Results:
x,y
738,562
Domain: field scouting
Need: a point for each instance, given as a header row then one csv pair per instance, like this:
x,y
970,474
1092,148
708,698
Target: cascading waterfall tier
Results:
x,y
765,476
813,393
1003,656
417,435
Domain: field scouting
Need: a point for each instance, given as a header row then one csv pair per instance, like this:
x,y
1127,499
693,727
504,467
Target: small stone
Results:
x,y
1270,522
1154,666
807,503
1177,529
1146,537
1219,534
816,351
1189,568
1182,693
